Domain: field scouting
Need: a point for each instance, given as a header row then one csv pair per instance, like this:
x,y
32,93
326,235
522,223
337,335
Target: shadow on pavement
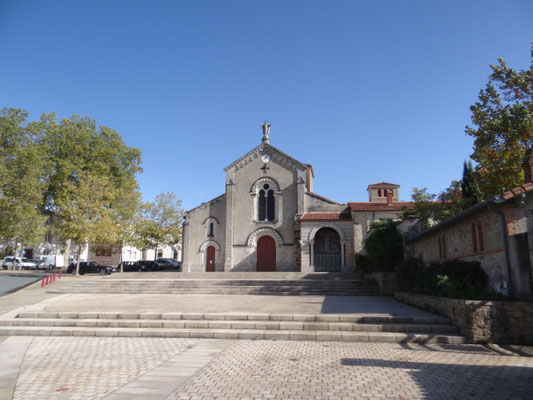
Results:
x,y
458,381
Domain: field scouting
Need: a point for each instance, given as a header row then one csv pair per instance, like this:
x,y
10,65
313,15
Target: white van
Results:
x,y
52,261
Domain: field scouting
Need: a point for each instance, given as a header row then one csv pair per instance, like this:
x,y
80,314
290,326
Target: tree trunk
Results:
x,y
78,262
66,253
14,266
121,258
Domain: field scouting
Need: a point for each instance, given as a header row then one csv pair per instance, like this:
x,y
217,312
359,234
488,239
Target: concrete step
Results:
x,y
231,324
250,334
355,318
253,285
324,327
208,292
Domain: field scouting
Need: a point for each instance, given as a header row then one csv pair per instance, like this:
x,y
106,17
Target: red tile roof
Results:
x,y
526,187
325,217
373,206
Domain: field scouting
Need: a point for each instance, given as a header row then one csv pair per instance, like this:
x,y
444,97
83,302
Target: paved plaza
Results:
x,y
139,368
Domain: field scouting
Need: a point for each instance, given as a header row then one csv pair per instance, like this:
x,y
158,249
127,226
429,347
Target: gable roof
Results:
x,y
207,202
363,206
275,155
313,194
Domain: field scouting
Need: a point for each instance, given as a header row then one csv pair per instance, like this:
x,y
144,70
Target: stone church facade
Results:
x,y
269,219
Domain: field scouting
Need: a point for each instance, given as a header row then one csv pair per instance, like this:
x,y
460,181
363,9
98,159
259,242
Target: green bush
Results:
x,y
452,279
384,247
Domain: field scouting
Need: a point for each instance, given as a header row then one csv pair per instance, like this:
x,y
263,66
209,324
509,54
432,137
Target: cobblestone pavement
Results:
x,y
101,368
88,368
307,370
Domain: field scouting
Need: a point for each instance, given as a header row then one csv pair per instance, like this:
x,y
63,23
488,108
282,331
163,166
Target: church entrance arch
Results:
x,y
266,253
327,251
210,259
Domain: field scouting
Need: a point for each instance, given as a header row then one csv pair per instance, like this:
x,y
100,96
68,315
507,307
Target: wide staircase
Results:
x,y
239,283
254,326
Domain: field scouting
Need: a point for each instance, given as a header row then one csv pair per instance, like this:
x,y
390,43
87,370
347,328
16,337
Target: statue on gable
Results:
x,y
266,131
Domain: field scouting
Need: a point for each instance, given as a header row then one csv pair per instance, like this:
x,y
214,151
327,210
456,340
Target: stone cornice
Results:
x,y
276,155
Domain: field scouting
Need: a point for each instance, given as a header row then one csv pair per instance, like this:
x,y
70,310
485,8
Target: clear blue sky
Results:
x,y
365,91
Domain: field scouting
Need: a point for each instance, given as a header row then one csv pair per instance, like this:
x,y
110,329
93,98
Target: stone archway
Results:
x,y
327,250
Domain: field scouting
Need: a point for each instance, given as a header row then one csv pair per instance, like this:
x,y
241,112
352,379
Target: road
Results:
x,y
12,283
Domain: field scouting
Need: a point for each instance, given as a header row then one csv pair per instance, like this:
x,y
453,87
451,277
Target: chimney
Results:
x,y
528,166
389,197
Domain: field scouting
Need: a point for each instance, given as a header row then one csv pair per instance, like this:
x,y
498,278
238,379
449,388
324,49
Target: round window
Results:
x,y
266,186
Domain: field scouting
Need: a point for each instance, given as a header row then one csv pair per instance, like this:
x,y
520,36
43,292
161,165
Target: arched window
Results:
x,y
266,204
211,231
270,205
480,236
261,206
474,238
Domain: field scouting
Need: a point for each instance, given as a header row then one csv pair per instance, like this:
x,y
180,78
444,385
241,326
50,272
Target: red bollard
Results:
x,y
46,280
59,274
42,284
54,277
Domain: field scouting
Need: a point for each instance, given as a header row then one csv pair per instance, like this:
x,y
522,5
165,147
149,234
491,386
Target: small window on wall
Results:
x,y
442,247
478,244
211,231
103,253
481,243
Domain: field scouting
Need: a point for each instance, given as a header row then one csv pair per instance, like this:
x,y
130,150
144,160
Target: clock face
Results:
x,y
265,158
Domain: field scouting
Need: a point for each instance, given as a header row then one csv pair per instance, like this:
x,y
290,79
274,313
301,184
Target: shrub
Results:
x,y
452,279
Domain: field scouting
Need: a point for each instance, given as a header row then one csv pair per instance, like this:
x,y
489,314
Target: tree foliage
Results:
x,y
159,222
502,127
384,246
21,179
92,161
470,191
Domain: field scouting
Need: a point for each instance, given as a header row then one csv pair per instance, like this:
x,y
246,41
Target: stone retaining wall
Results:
x,y
503,322
385,281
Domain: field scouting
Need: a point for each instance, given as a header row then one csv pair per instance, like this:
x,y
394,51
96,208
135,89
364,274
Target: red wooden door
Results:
x,y
266,254
210,259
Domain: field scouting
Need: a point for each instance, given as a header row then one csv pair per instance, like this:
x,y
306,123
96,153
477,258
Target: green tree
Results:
x,y
85,211
159,222
81,155
502,127
21,179
384,246
470,191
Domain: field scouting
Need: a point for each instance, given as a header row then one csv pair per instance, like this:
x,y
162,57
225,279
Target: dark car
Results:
x,y
169,263
87,267
129,266
145,265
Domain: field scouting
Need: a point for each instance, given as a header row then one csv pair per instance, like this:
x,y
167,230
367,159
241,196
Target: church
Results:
x,y
270,219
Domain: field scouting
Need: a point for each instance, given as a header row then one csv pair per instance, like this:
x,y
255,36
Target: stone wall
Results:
x,y
503,322
385,281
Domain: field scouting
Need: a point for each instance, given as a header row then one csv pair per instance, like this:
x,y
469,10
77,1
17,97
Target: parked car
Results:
x,y
127,266
145,265
38,263
169,263
87,267
20,263
52,261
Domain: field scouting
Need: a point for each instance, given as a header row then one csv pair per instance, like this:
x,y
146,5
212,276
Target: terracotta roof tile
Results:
x,y
325,217
526,187
373,206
